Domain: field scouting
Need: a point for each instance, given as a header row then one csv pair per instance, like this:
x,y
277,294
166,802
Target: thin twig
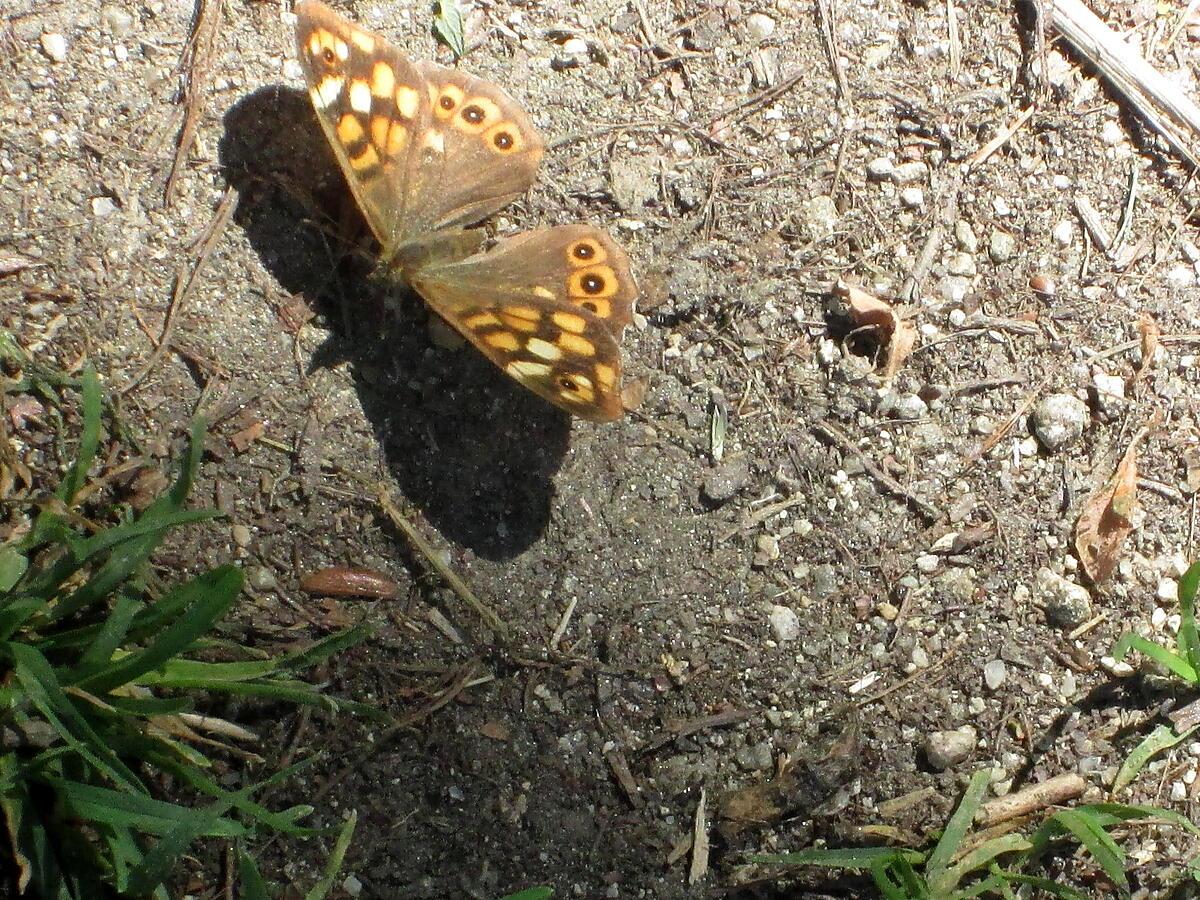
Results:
x,y
197,64
184,284
833,434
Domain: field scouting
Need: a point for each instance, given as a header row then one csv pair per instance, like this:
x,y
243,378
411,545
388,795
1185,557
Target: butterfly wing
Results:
x,y
423,148
548,307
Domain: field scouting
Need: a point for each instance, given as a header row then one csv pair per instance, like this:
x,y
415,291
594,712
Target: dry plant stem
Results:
x,y
1164,106
462,680
699,865
827,16
1001,138
184,284
1057,790
449,575
831,433
197,63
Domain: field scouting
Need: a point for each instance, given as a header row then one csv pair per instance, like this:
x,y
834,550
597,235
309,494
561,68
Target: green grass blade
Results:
x,y
89,439
213,593
37,677
324,648
1187,641
958,826
12,566
1091,834
1162,738
1122,812
898,880
1161,655
252,885
977,859
322,887
533,893
29,846
14,615
111,635
856,858
157,864
1046,886
119,809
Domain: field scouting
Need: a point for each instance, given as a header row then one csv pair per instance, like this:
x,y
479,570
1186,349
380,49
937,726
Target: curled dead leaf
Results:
x,y
868,311
1149,333
1108,517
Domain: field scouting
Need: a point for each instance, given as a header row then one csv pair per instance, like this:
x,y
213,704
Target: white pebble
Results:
x,y
55,46
785,624
1111,133
912,197
760,26
1064,233
956,318
103,206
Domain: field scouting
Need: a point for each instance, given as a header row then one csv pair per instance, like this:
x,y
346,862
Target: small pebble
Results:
x,y
1064,233
241,535
944,749
910,173
994,674
881,168
785,624
724,481
964,235
55,46
1042,284
352,886
961,264
1167,590
103,206
1067,604
116,20
1002,246
912,197
1059,420
1110,393
1111,133
760,26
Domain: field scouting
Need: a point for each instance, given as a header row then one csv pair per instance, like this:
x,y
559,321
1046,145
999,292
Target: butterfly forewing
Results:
x,y
373,106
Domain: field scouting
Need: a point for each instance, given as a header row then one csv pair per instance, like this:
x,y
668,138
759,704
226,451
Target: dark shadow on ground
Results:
x,y
473,450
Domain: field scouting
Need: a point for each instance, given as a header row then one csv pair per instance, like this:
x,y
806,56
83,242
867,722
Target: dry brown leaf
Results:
x,y
1149,332
11,263
495,730
633,393
900,347
868,311
242,440
1107,517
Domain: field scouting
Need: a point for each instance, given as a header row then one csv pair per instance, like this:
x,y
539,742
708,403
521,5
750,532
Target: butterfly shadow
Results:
x,y
472,449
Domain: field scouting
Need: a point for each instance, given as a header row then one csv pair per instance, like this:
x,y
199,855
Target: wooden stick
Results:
x,y
1164,107
1048,793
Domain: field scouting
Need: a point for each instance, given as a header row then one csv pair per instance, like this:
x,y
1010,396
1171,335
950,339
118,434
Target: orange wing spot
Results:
x,y
502,340
523,312
408,101
606,376
504,139
362,40
586,252
523,369
597,305
380,126
383,80
482,320
594,281
543,349
569,322
396,138
360,96
349,129
516,323
368,159
476,114
447,101
574,343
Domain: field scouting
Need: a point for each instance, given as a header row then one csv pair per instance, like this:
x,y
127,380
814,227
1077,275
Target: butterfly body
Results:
x,y
427,151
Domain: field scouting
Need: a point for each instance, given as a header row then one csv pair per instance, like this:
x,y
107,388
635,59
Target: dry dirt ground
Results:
x,y
829,594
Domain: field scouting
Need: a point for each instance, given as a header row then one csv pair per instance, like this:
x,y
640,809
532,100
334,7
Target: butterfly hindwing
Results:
x,y
548,307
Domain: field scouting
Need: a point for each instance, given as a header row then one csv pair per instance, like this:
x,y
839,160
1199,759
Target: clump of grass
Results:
x,y
957,868
102,670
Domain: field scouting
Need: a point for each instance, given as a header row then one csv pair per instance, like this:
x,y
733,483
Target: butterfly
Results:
x,y
427,151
